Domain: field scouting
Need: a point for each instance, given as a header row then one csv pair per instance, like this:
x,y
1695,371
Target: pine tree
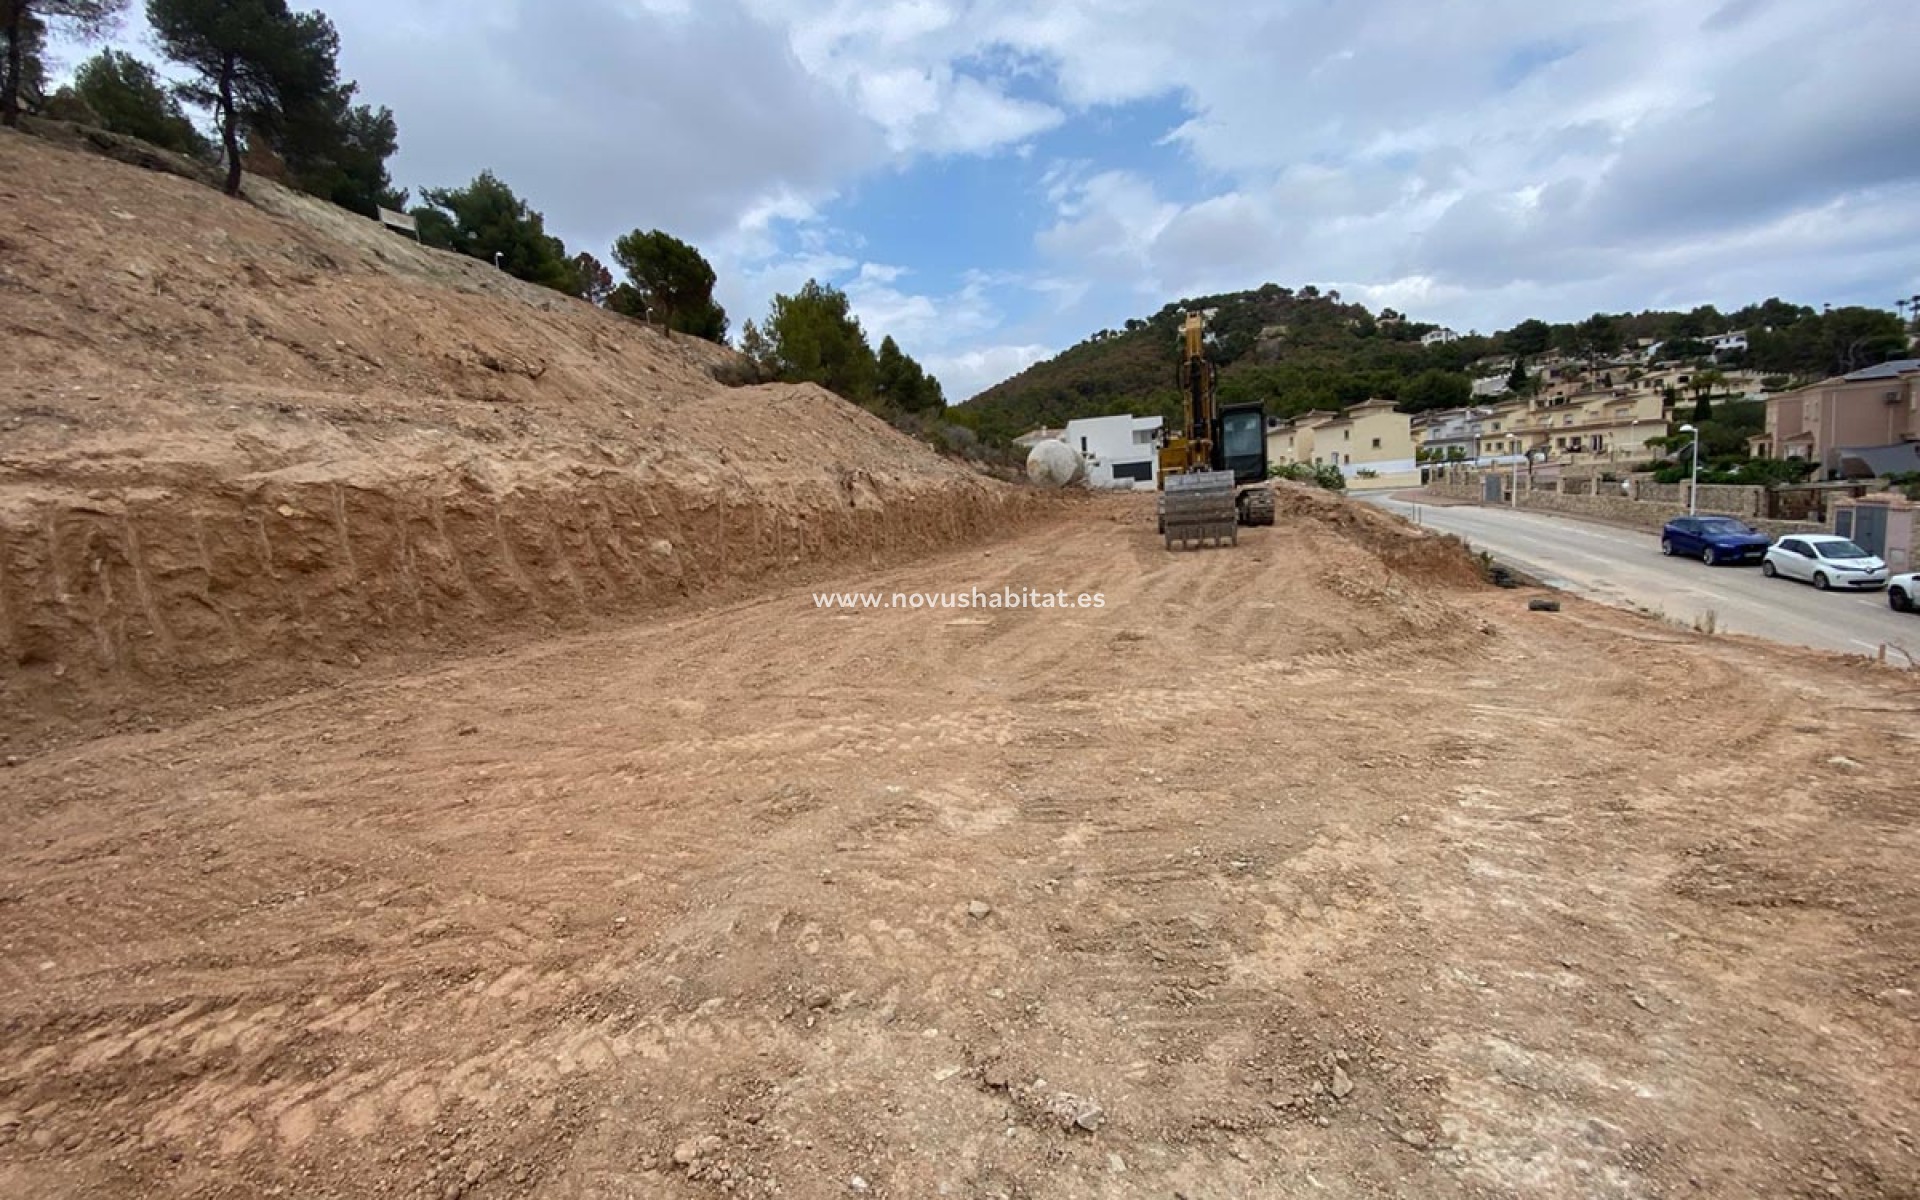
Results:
x,y
674,281
254,61
23,26
1517,378
125,96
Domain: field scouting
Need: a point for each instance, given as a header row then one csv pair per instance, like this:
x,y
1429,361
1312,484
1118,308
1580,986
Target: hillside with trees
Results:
x,y
1297,350
812,336
268,77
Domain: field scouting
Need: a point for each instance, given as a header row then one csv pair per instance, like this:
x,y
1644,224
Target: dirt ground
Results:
x,y
251,446
1303,868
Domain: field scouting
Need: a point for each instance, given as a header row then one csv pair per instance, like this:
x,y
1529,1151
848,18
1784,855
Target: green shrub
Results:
x,y
1324,475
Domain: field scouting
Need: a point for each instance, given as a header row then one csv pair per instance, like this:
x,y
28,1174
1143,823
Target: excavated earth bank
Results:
x,y
244,446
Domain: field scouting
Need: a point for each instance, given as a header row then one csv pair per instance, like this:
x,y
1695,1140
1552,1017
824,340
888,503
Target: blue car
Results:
x,y
1714,540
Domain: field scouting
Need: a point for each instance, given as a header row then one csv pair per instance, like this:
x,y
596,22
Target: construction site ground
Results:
x,y
425,772
1308,867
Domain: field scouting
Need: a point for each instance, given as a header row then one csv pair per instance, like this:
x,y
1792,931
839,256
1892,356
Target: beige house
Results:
x,y
1371,443
1630,379
1863,424
1681,380
1500,433
1292,441
1591,425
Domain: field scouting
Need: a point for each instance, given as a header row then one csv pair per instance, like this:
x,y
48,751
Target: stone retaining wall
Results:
x,y
1640,510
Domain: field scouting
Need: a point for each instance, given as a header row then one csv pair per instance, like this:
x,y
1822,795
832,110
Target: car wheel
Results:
x,y
1899,601
1666,547
1706,556
1766,568
1821,581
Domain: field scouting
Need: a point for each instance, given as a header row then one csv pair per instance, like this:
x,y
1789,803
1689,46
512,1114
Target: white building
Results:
x,y
1438,336
1121,451
1728,343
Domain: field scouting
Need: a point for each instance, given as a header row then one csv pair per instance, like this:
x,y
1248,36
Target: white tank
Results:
x,y
1053,464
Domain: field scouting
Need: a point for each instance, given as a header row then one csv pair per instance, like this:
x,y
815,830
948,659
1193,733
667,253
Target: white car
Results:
x,y
1825,561
1903,591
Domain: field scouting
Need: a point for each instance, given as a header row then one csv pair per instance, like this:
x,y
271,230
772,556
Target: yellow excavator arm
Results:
x,y
1213,472
1192,448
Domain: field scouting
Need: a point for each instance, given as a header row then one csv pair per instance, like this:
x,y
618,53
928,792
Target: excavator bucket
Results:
x,y
1197,506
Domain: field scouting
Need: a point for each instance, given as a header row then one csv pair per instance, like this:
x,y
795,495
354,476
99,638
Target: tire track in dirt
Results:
x,y
539,920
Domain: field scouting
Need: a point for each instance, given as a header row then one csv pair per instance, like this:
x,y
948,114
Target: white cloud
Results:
x,y
922,323
964,374
1472,158
1107,227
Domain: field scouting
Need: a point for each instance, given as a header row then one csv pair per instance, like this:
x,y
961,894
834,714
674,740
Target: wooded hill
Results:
x,y
1306,349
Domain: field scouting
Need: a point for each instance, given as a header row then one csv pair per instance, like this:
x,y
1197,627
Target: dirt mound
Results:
x,y
1357,578
1419,554
248,445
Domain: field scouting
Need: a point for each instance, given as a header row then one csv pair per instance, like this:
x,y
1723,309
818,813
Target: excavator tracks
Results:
x,y
1256,506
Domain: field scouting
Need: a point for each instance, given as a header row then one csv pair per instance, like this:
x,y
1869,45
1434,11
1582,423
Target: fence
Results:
x,y
1642,504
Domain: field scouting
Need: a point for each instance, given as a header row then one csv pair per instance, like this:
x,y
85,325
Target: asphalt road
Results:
x,y
1624,567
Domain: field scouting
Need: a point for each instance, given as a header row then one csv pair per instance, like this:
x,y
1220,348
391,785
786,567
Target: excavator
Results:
x,y
1213,473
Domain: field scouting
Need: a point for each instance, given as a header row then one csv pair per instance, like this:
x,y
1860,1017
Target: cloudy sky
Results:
x,y
992,180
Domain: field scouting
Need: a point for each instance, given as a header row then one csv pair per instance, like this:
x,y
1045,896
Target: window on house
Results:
x,y
1083,445
1376,443
1346,435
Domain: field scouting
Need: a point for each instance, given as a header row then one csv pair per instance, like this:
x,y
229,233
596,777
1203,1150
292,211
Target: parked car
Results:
x,y
1714,540
1825,561
1903,591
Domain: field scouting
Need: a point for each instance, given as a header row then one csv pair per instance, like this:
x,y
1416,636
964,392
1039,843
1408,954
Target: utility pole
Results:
x,y
1693,485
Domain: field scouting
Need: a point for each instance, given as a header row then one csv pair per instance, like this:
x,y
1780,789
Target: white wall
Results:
x,y
1396,472
1105,441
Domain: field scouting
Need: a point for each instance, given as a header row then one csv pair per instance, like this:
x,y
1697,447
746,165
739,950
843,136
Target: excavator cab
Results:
x,y
1241,445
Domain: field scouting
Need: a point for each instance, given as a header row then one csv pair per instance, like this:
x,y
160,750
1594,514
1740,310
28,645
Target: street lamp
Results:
x,y
1693,486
